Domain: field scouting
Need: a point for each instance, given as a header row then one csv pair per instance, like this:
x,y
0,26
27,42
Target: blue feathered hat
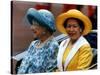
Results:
x,y
43,17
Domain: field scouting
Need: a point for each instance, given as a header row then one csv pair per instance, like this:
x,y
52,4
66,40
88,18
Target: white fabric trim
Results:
x,y
81,41
20,56
60,53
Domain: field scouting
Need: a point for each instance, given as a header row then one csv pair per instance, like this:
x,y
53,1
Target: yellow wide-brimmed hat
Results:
x,y
73,13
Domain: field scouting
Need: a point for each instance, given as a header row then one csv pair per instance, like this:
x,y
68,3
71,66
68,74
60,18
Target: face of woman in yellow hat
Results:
x,y
73,29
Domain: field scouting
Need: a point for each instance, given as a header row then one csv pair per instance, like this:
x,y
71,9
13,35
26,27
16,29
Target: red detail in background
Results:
x,y
43,6
67,7
91,10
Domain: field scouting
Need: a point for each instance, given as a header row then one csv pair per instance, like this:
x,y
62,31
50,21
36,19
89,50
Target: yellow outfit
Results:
x,y
81,60
80,55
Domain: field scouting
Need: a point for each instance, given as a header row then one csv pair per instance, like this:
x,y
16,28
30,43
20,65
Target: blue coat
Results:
x,y
43,59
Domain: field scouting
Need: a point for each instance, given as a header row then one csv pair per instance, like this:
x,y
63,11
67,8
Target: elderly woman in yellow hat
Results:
x,y
75,52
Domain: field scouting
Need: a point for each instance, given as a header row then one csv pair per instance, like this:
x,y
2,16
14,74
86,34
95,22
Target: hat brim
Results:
x,y
34,15
73,14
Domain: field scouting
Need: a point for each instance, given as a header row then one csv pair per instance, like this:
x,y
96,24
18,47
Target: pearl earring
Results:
x,y
80,30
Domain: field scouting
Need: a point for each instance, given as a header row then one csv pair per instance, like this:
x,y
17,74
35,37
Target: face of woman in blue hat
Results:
x,y
38,30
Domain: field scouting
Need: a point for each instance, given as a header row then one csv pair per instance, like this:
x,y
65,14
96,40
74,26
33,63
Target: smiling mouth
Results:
x,y
71,34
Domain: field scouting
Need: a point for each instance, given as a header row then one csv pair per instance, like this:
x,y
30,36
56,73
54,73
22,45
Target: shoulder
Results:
x,y
86,45
53,46
85,49
32,45
54,42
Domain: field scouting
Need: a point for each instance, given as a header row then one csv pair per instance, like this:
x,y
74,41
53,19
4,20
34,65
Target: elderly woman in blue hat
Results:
x,y
42,53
